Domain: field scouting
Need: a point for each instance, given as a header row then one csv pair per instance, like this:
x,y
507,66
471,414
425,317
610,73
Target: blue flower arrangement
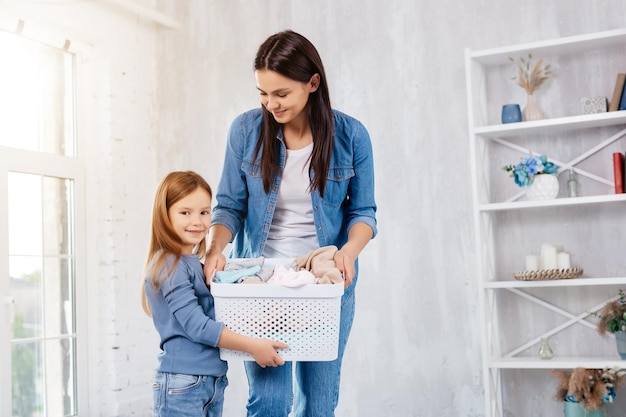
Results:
x,y
530,166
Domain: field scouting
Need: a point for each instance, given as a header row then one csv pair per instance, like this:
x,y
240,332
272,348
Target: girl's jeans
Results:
x,y
181,395
316,387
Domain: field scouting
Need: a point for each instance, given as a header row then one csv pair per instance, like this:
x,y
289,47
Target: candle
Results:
x,y
532,262
548,256
562,260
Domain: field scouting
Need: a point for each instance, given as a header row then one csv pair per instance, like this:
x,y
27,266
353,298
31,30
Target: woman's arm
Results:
x,y
361,206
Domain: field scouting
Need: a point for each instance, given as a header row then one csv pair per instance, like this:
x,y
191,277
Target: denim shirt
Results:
x,y
246,210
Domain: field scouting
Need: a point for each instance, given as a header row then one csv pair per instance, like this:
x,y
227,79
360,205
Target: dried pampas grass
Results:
x,y
530,77
587,386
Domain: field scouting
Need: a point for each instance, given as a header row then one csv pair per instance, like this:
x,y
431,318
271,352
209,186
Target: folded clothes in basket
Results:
x,y
321,263
315,267
238,275
291,277
239,270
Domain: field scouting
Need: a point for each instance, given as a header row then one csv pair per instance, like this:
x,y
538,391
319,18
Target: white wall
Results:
x,y
398,67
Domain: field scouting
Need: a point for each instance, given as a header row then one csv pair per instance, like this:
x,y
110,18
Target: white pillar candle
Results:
x,y
562,260
532,262
548,256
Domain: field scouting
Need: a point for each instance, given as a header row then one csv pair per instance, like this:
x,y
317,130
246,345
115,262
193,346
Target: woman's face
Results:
x,y
283,97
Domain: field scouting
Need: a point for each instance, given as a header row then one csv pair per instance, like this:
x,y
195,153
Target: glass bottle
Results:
x,y
572,184
545,351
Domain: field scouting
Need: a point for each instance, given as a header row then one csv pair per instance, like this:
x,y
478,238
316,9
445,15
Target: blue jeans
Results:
x,y
316,390
181,395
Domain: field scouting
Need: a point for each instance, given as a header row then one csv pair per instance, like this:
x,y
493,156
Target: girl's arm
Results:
x,y
262,350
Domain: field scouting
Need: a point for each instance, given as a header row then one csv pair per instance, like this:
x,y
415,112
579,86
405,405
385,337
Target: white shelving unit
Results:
x,y
517,314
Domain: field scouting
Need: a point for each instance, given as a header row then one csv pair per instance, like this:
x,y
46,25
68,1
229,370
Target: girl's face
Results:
x,y
283,97
191,217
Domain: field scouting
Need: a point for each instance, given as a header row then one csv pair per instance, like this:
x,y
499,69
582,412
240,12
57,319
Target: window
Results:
x,y
40,194
36,100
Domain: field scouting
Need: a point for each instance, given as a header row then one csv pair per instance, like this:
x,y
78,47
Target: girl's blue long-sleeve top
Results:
x,y
247,211
184,315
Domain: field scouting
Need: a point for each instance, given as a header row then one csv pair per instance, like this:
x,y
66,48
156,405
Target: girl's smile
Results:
x,y
191,217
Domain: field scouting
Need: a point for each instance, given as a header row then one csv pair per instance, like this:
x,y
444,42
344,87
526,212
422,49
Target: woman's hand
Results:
x,y
345,263
213,262
358,236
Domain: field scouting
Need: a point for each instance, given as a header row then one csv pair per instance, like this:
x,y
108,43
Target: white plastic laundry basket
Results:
x,y
306,318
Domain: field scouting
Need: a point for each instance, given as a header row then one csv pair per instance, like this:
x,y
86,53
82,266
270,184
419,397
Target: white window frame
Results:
x,y
46,164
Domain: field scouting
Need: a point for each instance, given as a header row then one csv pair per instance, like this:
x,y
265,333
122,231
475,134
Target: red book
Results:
x,y
618,172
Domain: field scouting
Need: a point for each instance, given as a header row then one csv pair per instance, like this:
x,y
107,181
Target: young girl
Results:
x,y
298,175
190,376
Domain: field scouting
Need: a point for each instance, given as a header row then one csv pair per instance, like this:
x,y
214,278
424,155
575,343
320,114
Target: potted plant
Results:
x,y
537,173
585,392
613,320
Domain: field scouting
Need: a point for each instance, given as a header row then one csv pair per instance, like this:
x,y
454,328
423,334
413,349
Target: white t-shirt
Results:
x,y
293,230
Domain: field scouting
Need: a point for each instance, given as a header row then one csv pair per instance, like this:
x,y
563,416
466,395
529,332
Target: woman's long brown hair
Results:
x,y
293,56
164,242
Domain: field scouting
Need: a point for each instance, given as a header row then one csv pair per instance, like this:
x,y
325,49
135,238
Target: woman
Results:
x,y
297,176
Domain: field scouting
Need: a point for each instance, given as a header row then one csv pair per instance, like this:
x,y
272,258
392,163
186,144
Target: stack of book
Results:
x,y
619,158
618,102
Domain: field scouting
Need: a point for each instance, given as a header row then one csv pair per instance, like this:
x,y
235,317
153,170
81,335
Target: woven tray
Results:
x,y
547,274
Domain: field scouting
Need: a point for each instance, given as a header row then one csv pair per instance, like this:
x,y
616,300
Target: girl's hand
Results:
x,y
213,262
264,352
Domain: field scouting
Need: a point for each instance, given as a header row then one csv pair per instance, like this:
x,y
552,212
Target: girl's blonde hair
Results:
x,y
164,242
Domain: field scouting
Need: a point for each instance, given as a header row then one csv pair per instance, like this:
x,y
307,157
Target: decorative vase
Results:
x,y
545,351
577,410
620,341
511,113
543,187
531,110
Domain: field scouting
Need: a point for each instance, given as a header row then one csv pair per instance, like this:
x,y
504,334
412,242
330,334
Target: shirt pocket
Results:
x,y
254,181
336,189
250,169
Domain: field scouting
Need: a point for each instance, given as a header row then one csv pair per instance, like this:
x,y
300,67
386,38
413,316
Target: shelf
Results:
x,y
573,282
560,46
517,314
557,124
557,202
556,363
